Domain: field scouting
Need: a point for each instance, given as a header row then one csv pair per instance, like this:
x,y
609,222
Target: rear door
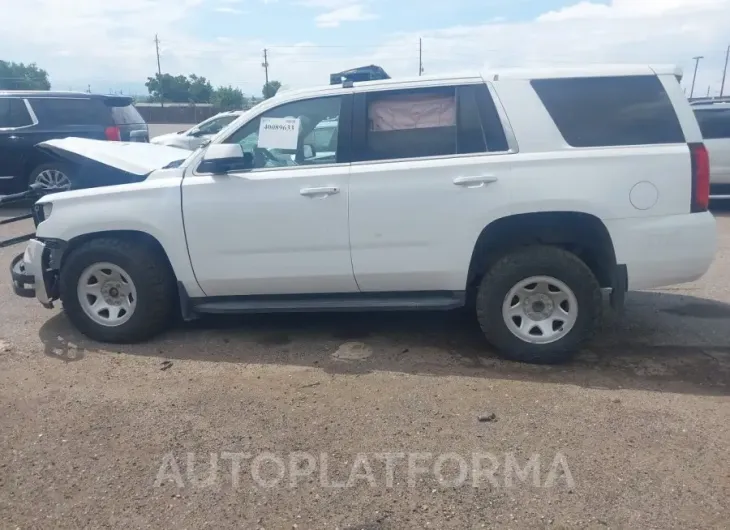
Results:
x,y
16,146
131,124
431,169
715,126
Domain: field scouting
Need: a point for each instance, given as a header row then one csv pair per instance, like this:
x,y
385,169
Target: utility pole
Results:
x,y
159,72
724,72
265,64
420,57
697,65
708,91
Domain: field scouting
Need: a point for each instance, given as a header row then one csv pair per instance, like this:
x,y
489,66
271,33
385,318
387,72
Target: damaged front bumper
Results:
x,y
34,275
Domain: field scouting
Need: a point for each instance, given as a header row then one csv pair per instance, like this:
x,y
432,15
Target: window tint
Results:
x,y
435,121
288,149
610,111
714,123
70,111
13,113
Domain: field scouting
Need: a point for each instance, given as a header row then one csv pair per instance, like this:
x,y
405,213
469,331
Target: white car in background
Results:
x,y
193,138
713,115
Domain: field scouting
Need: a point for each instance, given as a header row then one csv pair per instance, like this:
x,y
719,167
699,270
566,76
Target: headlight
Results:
x,y
47,209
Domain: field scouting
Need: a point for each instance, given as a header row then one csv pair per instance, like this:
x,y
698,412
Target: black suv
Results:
x,y
28,118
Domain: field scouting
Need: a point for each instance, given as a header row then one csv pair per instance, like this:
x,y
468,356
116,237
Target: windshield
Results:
x,y
215,124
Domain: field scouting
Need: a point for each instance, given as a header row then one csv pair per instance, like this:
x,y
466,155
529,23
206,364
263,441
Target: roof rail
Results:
x,y
709,100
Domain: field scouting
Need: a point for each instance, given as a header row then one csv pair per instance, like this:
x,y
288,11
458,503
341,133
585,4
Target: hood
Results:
x,y
136,158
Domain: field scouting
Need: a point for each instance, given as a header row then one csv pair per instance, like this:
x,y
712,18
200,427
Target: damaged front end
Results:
x,y
34,273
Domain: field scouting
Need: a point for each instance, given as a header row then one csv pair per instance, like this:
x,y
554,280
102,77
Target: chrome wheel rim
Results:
x,y
53,179
540,310
107,294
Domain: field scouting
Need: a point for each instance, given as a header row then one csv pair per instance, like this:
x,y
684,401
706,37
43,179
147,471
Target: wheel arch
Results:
x,y
581,233
135,236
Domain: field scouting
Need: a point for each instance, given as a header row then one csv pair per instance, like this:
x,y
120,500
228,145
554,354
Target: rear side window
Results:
x,y
426,122
714,123
13,113
126,115
70,111
611,111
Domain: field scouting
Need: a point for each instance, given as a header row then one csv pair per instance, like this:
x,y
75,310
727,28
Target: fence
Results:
x,y
181,112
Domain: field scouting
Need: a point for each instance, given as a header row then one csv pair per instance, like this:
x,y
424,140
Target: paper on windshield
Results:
x,y
279,133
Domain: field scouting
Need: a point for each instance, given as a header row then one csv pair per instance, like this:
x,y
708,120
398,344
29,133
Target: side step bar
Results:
x,y
426,301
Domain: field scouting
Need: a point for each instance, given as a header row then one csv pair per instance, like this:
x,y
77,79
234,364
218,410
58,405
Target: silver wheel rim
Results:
x,y
540,310
53,179
107,294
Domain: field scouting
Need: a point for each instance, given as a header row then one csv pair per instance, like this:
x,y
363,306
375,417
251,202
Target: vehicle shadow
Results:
x,y
665,342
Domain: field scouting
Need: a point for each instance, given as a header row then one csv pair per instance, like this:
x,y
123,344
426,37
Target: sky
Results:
x,y
109,45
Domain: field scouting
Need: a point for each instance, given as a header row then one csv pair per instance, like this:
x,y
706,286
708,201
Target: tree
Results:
x,y
180,89
270,89
229,98
168,88
19,76
201,91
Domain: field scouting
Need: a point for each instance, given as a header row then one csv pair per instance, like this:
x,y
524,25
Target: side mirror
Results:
x,y
308,151
222,158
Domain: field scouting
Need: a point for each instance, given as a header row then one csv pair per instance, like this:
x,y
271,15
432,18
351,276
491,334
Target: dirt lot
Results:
x,y
385,421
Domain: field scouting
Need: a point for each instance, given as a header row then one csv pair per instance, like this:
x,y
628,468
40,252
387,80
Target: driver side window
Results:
x,y
282,136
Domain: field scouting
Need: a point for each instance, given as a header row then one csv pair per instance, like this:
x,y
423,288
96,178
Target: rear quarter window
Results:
x,y
126,115
714,123
610,111
70,111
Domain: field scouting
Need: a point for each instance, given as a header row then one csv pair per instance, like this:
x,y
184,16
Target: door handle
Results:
x,y
13,138
476,181
325,191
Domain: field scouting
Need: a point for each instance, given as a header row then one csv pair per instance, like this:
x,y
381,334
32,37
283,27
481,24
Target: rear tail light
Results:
x,y
113,134
700,178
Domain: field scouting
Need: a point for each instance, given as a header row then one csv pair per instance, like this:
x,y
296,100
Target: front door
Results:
x,y
432,171
280,227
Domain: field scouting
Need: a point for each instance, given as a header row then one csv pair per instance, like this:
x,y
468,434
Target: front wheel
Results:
x,y
52,177
117,291
539,305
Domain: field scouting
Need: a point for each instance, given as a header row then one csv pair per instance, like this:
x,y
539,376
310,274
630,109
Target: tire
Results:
x,y
557,269
144,268
46,173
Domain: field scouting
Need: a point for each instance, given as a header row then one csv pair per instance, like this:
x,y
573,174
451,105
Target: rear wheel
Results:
x,y
539,305
117,291
52,177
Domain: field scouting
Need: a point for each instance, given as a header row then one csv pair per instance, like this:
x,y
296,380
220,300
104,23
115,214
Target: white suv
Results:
x,y
522,194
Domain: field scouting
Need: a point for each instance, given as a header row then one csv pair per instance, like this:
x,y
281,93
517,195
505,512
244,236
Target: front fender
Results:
x,y
152,207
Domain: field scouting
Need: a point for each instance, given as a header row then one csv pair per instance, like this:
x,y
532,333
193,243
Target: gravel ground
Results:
x,y
289,421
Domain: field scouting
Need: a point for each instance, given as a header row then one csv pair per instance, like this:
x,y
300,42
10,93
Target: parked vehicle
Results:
x,y
196,136
28,118
520,195
713,116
